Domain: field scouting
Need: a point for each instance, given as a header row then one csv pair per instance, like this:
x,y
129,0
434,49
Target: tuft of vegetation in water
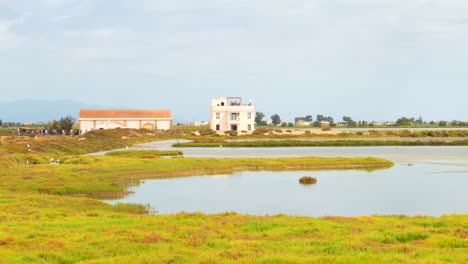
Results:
x,y
307,180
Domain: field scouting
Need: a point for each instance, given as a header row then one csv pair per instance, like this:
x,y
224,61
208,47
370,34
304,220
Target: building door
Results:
x,y
148,126
217,127
234,127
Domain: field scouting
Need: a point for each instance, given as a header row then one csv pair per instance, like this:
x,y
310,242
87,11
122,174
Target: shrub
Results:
x,y
260,131
206,132
231,133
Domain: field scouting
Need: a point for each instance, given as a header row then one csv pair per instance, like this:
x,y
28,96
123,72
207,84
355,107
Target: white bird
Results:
x,y
220,146
27,145
126,147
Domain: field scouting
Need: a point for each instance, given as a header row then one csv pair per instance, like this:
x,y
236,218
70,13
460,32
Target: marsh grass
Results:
x,y
321,143
114,174
42,221
52,229
145,153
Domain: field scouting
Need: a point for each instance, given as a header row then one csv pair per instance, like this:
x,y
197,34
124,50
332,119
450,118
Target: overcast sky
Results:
x,y
373,60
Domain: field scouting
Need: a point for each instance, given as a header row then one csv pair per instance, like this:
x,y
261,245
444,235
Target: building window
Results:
x,y
234,116
249,127
249,115
217,115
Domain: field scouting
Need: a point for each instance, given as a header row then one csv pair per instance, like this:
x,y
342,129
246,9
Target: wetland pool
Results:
x,y
405,189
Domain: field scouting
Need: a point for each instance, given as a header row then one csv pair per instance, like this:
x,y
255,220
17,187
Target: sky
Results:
x,y
371,60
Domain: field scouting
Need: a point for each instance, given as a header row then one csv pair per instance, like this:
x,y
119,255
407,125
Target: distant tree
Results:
x,y
404,121
66,123
321,118
316,124
263,123
308,118
275,119
53,125
442,123
283,124
259,117
290,124
347,119
432,123
419,121
298,118
458,123
1,122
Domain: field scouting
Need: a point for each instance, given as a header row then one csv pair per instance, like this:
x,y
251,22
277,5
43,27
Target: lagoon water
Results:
x,y
424,181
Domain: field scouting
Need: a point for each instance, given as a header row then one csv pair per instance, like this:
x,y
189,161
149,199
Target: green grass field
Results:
x,y
51,229
43,219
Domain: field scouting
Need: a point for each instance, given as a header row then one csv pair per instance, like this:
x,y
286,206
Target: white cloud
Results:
x,y
60,18
54,4
7,37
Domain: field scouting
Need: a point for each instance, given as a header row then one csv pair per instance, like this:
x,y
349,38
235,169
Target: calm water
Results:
x,y
420,189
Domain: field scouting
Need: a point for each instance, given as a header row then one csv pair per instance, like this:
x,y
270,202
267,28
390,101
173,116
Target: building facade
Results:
x,y
136,119
229,113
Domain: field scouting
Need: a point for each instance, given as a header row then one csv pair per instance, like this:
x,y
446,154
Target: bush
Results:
x,y
231,133
261,131
206,132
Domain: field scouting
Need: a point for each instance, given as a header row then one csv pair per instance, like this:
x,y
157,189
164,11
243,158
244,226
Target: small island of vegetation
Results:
x,y
307,180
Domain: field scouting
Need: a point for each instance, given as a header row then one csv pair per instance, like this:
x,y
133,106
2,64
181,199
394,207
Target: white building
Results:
x,y
228,113
135,119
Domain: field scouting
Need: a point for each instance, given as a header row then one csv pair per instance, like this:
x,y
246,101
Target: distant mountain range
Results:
x,y
42,111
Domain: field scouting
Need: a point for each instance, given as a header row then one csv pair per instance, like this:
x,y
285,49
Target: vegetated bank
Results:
x,y
112,174
55,229
321,143
20,150
37,227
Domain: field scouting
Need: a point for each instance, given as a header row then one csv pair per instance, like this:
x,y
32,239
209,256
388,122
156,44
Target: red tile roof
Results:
x,y
89,113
